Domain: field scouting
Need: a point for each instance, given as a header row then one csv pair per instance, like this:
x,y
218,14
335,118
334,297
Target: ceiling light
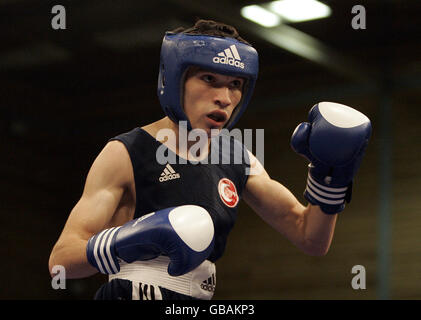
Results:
x,y
260,16
300,10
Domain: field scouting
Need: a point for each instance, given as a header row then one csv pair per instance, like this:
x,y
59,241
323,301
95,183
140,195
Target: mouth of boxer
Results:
x,y
218,116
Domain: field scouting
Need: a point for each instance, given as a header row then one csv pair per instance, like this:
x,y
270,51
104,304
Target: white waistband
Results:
x,y
199,283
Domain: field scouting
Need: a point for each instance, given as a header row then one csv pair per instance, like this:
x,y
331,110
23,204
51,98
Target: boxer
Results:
x,y
158,229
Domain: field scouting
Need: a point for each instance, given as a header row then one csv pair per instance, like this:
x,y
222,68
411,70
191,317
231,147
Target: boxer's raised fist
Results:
x,y
334,141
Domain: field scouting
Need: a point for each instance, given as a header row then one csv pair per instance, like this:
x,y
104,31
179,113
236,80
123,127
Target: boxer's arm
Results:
x,y
105,184
308,228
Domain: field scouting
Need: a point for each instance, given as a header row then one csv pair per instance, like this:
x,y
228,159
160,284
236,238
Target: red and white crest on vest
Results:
x,y
228,192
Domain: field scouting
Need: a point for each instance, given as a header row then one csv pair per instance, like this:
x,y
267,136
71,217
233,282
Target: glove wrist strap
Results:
x,y
330,199
100,251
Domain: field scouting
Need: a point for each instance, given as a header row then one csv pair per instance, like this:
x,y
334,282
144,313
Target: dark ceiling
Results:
x,y
108,44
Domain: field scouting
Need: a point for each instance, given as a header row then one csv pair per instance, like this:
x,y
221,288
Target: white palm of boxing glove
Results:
x,y
334,141
185,234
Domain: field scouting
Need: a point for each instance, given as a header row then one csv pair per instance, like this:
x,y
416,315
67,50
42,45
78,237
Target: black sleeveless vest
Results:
x,y
215,187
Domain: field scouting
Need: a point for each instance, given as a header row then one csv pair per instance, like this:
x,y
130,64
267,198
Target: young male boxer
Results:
x,y
158,228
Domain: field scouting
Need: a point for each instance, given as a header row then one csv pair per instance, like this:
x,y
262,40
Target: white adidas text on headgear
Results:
x,y
229,56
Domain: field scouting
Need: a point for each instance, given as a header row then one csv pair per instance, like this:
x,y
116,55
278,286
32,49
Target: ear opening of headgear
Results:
x,y
222,55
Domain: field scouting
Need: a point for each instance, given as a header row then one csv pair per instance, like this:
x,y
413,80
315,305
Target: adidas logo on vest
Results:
x,y
229,56
168,174
209,284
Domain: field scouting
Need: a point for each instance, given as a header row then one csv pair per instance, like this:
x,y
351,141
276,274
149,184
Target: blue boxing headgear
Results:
x,y
222,55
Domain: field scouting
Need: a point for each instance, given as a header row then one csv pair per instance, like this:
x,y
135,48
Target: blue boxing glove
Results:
x,y
334,141
185,234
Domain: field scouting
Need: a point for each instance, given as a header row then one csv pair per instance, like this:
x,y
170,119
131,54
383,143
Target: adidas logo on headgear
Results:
x,y
168,174
229,56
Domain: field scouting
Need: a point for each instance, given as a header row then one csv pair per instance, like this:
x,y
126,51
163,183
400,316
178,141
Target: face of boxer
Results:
x,y
210,98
